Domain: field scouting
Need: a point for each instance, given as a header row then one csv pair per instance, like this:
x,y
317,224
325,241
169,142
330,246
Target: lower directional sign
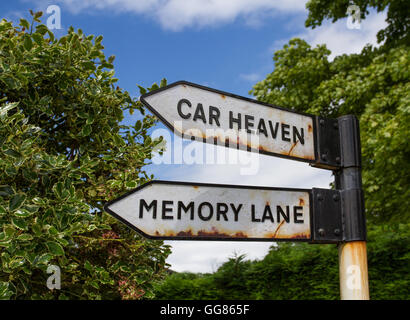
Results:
x,y
197,211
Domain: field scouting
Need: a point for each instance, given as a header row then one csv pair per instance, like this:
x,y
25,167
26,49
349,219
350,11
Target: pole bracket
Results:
x,y
327,225
328,152
338,216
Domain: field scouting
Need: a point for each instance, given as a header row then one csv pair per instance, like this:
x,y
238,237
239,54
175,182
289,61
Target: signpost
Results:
x,y
197,211
204,114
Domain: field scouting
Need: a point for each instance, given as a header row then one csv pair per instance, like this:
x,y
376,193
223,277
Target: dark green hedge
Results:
x,y
300,271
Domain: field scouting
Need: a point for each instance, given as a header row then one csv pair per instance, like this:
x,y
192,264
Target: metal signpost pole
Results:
x,y
352,251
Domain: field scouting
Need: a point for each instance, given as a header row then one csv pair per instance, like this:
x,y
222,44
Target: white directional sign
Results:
x,y
209,115
178,210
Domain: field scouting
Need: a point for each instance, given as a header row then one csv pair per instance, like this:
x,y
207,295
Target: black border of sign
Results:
x,y
183,82
192,184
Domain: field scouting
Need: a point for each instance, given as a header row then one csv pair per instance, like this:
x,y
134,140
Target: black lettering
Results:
x,y
221,210
179,107
262,128
253,214
273,131
267,214
214,115
211,211
285,132
199,113
153,205
236,210
300,135
248,123
297,214
182,207
165,203
236,120
280,212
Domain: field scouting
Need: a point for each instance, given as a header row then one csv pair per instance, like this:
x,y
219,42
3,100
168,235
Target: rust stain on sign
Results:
x,y
277,229
291,148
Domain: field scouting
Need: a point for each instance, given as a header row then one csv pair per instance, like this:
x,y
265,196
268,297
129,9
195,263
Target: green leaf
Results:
x,y
138,125
58,189
131,184
24,23
55,248
147,141
142,90
95,284
28,44
42,29
16,201
5,292
25,237
90,119
88,266
22,213
7,107
118,140
2,210
88,65
20,223
6,190
86,130
13,153
38,38
111,59
17,262
37,15
43,259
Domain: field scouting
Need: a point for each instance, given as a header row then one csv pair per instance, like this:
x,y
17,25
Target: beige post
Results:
x,y
353,273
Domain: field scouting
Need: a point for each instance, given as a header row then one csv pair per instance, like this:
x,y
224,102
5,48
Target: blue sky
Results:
x,y
224,44
230,55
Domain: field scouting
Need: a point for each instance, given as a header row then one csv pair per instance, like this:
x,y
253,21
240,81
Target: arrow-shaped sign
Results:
x,y
198,211
213,116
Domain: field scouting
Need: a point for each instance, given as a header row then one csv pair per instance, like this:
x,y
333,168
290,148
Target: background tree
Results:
x,y
373,85
63,154
299,271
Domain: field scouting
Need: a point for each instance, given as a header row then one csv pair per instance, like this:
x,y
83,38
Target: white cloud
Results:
x,y
339,39
207,256
342,40
251,77
177,14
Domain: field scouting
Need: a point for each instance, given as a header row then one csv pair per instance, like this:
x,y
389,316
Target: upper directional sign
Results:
x,y
197,211
209,115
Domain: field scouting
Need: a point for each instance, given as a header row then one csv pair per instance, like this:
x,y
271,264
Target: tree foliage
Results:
x,y
373,85
63,154
398,16
299,271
